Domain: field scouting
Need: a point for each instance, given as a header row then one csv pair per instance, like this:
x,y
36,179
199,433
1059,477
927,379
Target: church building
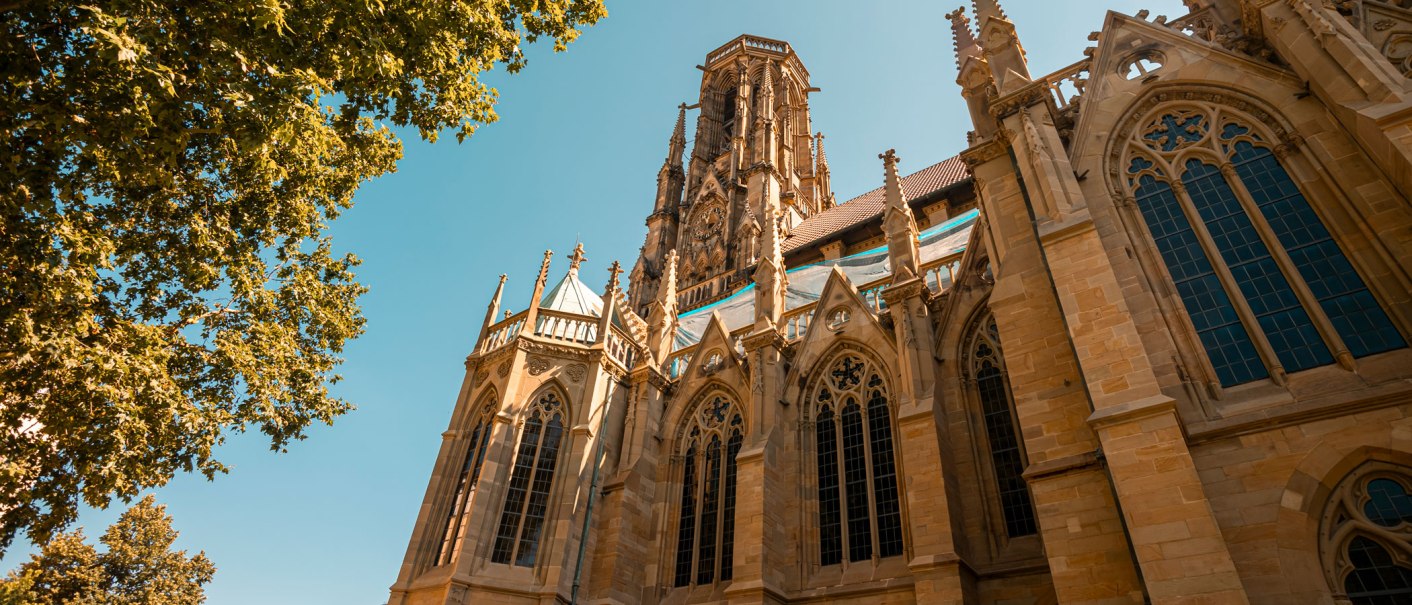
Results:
x,y
1145,340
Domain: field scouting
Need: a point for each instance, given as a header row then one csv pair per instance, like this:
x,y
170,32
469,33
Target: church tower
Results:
x,y
753,167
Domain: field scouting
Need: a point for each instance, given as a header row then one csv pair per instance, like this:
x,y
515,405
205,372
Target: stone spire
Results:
x,y
821,173
662,317
765,119
671,179
1002,46
963,41
898,223
493,309
770,279
610,302
677,146
533,313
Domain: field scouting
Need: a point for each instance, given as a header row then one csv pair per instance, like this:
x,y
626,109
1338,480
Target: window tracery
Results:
x,y
706,518
859,505
527,496
1367,536
985,372
1266,287
482,422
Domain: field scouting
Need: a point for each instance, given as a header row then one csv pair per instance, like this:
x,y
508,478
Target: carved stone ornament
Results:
x,y
482,376
503,369
576,372
537,365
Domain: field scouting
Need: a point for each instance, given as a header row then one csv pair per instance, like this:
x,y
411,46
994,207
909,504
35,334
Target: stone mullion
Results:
x,y
843,557
1228,281
1282,260
868,474
529,489
1172,311
700,504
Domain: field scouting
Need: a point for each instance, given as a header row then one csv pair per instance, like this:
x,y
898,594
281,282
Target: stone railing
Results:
x,y
767,44
796,321
1066,86
620,348
557,325
679,360
501,333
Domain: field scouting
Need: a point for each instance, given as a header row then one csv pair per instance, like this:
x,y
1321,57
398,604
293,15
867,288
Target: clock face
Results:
x,y
709,223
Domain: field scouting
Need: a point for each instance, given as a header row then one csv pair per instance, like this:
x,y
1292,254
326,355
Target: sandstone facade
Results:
x,y
1145,340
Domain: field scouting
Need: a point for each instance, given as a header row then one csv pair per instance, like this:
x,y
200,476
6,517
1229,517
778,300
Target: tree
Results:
x,y
138,568
169,172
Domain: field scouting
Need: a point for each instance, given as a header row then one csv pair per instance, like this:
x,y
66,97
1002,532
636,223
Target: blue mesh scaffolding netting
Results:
x,y
806,283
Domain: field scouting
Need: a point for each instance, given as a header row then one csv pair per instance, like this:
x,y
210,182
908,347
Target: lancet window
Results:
x,y
527,496
1268,289
706,522
985,374
481,423
1367,536
860,514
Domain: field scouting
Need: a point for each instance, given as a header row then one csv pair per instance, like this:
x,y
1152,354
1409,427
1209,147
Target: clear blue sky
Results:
x,y
575,154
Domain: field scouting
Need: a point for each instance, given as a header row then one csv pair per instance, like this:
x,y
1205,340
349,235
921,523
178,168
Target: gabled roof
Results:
x,y
571,296
870,205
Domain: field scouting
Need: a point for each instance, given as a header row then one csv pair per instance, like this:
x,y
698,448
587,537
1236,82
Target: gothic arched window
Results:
x,y
482,422
1267,288
527,496
1367,536
706,526
859,508
985,372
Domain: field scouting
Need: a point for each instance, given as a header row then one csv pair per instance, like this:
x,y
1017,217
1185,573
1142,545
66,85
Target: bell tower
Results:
x,y
753,167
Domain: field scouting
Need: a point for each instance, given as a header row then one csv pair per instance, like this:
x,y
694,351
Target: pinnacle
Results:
x,y
823,159
892,183
988,8
963,41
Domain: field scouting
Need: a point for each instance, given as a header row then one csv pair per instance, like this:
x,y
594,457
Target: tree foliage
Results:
x,y
169,173
138,568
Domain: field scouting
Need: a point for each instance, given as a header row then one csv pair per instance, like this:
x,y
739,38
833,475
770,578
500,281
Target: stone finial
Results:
x,y
963,41
614,270
892,183
492,309
576,258
767,94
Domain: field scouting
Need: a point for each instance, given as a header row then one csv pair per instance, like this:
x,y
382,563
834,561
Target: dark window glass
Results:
x,y
884,474
710,503
1388,503
1376,579
1232,354
515,493
728,511
464,480
855,477
686,532
830,530
539,495
1015,504
1286,324
1351,308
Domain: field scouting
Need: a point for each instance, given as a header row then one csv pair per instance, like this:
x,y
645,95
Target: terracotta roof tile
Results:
x,y
869,206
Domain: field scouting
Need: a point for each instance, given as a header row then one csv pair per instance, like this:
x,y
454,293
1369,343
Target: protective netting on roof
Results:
x,y
806,283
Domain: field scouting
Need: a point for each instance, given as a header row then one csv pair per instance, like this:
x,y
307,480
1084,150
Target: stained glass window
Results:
x,y
1264,282
859,503
706,521
527,496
